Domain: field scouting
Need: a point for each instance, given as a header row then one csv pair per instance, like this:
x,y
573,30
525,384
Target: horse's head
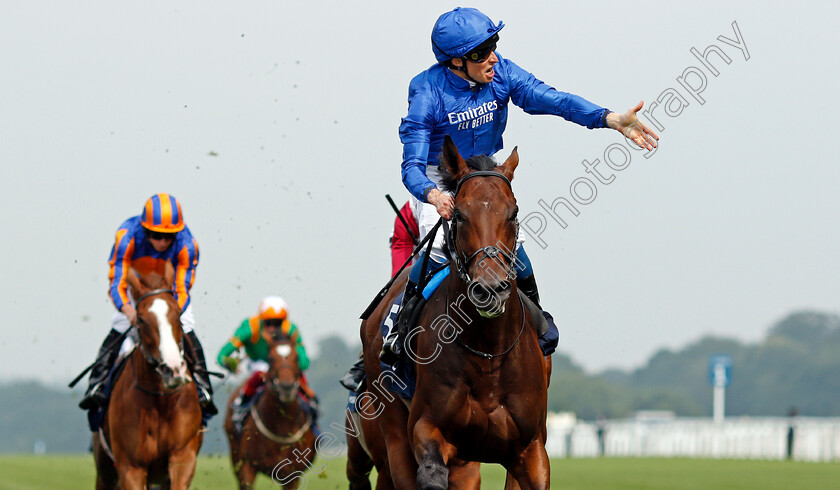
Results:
x,y
283,371
159,325
482,240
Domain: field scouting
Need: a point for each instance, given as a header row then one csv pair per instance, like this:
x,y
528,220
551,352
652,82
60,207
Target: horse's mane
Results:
x,y
479,162
153,280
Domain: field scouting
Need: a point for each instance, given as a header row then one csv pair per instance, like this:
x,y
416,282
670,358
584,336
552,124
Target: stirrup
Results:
x,y
205,401
94,398
391,347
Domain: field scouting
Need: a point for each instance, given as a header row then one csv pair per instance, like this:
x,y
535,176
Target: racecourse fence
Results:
x,y
801,438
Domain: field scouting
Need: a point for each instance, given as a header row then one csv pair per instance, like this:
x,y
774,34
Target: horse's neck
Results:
x,y
269,406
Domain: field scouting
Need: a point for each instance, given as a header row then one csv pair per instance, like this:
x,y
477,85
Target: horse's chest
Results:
x,y
494,419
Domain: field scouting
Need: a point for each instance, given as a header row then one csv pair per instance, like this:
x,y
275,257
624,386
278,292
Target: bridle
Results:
x,y
462,263
156,363
274,386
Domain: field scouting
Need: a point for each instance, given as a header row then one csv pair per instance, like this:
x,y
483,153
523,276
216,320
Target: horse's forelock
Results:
x,y
479,162
154,281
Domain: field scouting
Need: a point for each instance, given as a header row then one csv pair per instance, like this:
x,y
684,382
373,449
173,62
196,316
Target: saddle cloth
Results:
x,y
96,417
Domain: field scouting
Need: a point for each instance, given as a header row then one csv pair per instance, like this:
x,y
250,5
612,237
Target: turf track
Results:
x,y
76,472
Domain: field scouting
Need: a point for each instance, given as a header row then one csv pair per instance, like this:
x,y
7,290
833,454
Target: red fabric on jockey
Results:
x,y
401,243
254,382
258,378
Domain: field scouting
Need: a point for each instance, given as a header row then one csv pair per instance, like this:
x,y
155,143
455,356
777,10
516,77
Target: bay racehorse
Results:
x,y
481,389
277,437
151,432
482,379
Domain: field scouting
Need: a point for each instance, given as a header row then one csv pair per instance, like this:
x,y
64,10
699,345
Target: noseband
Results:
x,y
462,263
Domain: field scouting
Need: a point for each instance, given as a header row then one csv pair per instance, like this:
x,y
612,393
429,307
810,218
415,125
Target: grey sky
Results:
x,y
728,227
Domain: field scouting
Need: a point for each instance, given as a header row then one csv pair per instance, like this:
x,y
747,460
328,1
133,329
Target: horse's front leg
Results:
x,y
433,454
182,466
245,475
464,475
133,477
531,470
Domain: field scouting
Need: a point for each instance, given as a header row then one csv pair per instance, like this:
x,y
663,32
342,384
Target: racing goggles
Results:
x,y
157,235
482,52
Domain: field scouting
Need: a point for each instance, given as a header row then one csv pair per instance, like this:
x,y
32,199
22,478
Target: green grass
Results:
x,y
76,471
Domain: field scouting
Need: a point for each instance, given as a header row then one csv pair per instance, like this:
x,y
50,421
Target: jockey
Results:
x,y
253,336
466,96
145,243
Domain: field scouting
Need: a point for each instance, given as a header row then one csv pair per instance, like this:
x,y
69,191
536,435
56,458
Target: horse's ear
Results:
x,y
168,274
510,164
453,161
138,288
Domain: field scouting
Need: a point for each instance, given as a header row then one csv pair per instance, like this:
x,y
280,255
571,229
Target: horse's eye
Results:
x,y
457,216
514,214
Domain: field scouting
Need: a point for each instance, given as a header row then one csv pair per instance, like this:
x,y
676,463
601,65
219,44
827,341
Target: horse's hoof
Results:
x,y
432,476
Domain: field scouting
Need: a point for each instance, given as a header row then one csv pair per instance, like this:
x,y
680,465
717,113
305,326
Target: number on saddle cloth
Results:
x,y
402,378
431,286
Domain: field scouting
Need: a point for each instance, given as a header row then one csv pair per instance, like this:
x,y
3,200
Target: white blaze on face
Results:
x,y
170,354
283,350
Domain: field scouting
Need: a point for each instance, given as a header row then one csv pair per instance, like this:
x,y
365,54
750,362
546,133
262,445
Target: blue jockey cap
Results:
x,y
458,32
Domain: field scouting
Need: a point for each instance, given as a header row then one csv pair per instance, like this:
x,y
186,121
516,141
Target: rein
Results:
x,y
153,392
289,439
484,354
273,387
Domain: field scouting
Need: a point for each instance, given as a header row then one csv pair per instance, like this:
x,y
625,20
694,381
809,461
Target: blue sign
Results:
x,y
720,371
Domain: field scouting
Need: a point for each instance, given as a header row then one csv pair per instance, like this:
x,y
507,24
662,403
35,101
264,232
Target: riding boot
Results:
x,y
549,340
198,366
392,346
95,394
353,379
528,286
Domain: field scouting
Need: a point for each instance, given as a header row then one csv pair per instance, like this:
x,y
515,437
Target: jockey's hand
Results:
x,y
632,127
230,363
443,203
129,311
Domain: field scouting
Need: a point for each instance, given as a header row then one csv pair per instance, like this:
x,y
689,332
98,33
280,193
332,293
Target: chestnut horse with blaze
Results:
x,y
482,380
277,438
152,426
